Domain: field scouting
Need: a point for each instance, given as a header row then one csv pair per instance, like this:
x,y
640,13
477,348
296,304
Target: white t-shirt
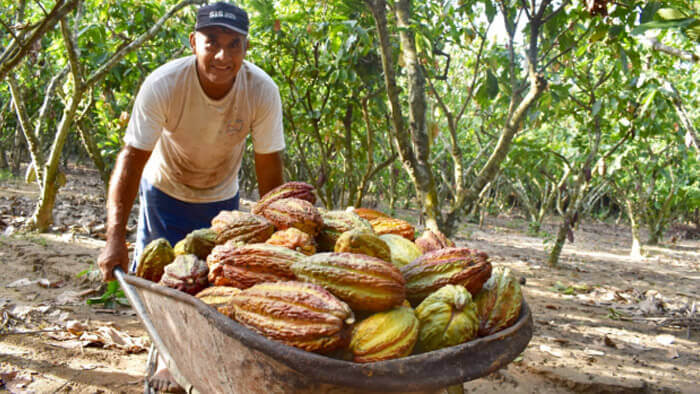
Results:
x,y
198,142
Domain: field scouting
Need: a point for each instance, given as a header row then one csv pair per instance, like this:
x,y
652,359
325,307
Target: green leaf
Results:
x,y
490,10
492,84
596,107
649,11
663,25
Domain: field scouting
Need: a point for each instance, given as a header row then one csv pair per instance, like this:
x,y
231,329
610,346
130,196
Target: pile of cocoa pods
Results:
x,y
354,284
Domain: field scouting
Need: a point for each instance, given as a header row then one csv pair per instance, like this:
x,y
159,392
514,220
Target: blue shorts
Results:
x,y
162,216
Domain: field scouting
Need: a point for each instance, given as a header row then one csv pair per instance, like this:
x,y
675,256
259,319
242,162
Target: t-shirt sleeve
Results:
x,y
147,118
266,129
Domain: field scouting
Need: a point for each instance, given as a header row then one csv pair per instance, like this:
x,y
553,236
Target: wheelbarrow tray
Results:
x,y
210,353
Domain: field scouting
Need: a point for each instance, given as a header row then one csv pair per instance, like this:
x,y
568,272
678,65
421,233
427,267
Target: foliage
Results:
x,y
613,122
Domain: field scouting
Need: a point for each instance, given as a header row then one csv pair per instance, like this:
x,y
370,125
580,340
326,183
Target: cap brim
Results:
x,y
220,24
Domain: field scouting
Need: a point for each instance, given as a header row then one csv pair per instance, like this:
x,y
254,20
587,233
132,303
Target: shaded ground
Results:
x,y
603,322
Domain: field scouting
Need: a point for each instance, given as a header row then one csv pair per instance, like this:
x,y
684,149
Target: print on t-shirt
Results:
x,y
234,127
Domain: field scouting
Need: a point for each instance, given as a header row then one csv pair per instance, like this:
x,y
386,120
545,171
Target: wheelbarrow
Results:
x,y
206,352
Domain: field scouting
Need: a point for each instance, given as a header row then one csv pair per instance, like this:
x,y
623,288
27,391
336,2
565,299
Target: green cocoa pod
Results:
x,y
198,242
447,317
155,256
499,302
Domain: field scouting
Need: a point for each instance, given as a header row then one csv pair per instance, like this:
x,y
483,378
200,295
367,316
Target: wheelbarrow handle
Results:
x,y
142,313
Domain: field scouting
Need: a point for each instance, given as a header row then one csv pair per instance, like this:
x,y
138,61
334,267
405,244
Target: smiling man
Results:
x,y
186,137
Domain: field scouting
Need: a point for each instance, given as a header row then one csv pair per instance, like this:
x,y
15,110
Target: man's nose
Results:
x,y
223,54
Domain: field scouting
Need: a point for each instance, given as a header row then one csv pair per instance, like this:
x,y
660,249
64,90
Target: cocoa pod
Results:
x,y
299,190
433,240
248,265
241,227
386,225
294,239
365,283
155,256
458,266
369,214
198,242
385,335
499,302
217,296
294,212
447,317
297,314
402,250
363,242
334,224
186,273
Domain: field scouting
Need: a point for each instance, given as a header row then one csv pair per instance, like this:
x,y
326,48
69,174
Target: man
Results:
x,y
185,139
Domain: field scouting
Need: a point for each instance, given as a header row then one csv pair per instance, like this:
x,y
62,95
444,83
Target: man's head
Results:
x,y
220,42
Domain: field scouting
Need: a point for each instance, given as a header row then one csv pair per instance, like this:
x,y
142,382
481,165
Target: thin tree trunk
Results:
x,y
636,250
94,153
559,241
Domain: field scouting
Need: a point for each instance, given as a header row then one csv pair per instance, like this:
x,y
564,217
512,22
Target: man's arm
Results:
x,y
123,187
268,169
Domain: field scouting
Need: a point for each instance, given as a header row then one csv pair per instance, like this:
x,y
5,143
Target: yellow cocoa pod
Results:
x,y
363,242
385,335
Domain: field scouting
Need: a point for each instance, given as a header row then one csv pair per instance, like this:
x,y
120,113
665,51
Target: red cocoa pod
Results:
x,y
456,266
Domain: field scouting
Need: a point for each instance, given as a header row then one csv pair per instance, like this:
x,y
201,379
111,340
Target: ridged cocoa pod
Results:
x,y
336,223
403,251
294,239
298,314
447,317
300,190
217,296
433,240
499,302
248,265
369,214
385,335
155,256
394,226
294,212
198,242
186,273
365,283
457,266
363,242
241,226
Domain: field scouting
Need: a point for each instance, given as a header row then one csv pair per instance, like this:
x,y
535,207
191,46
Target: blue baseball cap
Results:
x,y
222,14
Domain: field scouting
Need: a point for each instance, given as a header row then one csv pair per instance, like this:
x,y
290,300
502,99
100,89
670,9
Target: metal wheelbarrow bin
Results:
x,y
207,352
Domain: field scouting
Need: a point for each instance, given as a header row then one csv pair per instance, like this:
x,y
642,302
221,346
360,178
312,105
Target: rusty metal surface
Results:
x,y
215,354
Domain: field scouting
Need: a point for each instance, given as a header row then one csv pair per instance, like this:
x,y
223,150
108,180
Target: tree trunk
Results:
x,y
94,153
636,250
564,229
43,215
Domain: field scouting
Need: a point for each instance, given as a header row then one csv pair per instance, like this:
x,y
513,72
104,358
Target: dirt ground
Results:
x,y
604,322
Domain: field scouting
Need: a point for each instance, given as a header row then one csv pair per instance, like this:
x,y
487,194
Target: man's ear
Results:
x,y
193,41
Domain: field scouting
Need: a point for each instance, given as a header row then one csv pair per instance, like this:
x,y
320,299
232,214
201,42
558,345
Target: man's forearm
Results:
x,y
268,168
123,187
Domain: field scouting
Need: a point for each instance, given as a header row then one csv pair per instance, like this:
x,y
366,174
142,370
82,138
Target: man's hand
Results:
x,y
115,254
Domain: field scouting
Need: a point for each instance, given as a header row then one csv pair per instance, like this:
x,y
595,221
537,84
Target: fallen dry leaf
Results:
x,y
665,339
592,352
549,350
22,283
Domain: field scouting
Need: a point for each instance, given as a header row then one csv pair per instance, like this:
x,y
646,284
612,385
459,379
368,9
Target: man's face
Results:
x,y
220,54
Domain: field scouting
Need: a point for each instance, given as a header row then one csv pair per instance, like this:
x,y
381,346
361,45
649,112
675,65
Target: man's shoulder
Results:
x,y
171,72
258,77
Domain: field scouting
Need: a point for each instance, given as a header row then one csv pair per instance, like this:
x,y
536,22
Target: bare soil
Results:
x,y
604,322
